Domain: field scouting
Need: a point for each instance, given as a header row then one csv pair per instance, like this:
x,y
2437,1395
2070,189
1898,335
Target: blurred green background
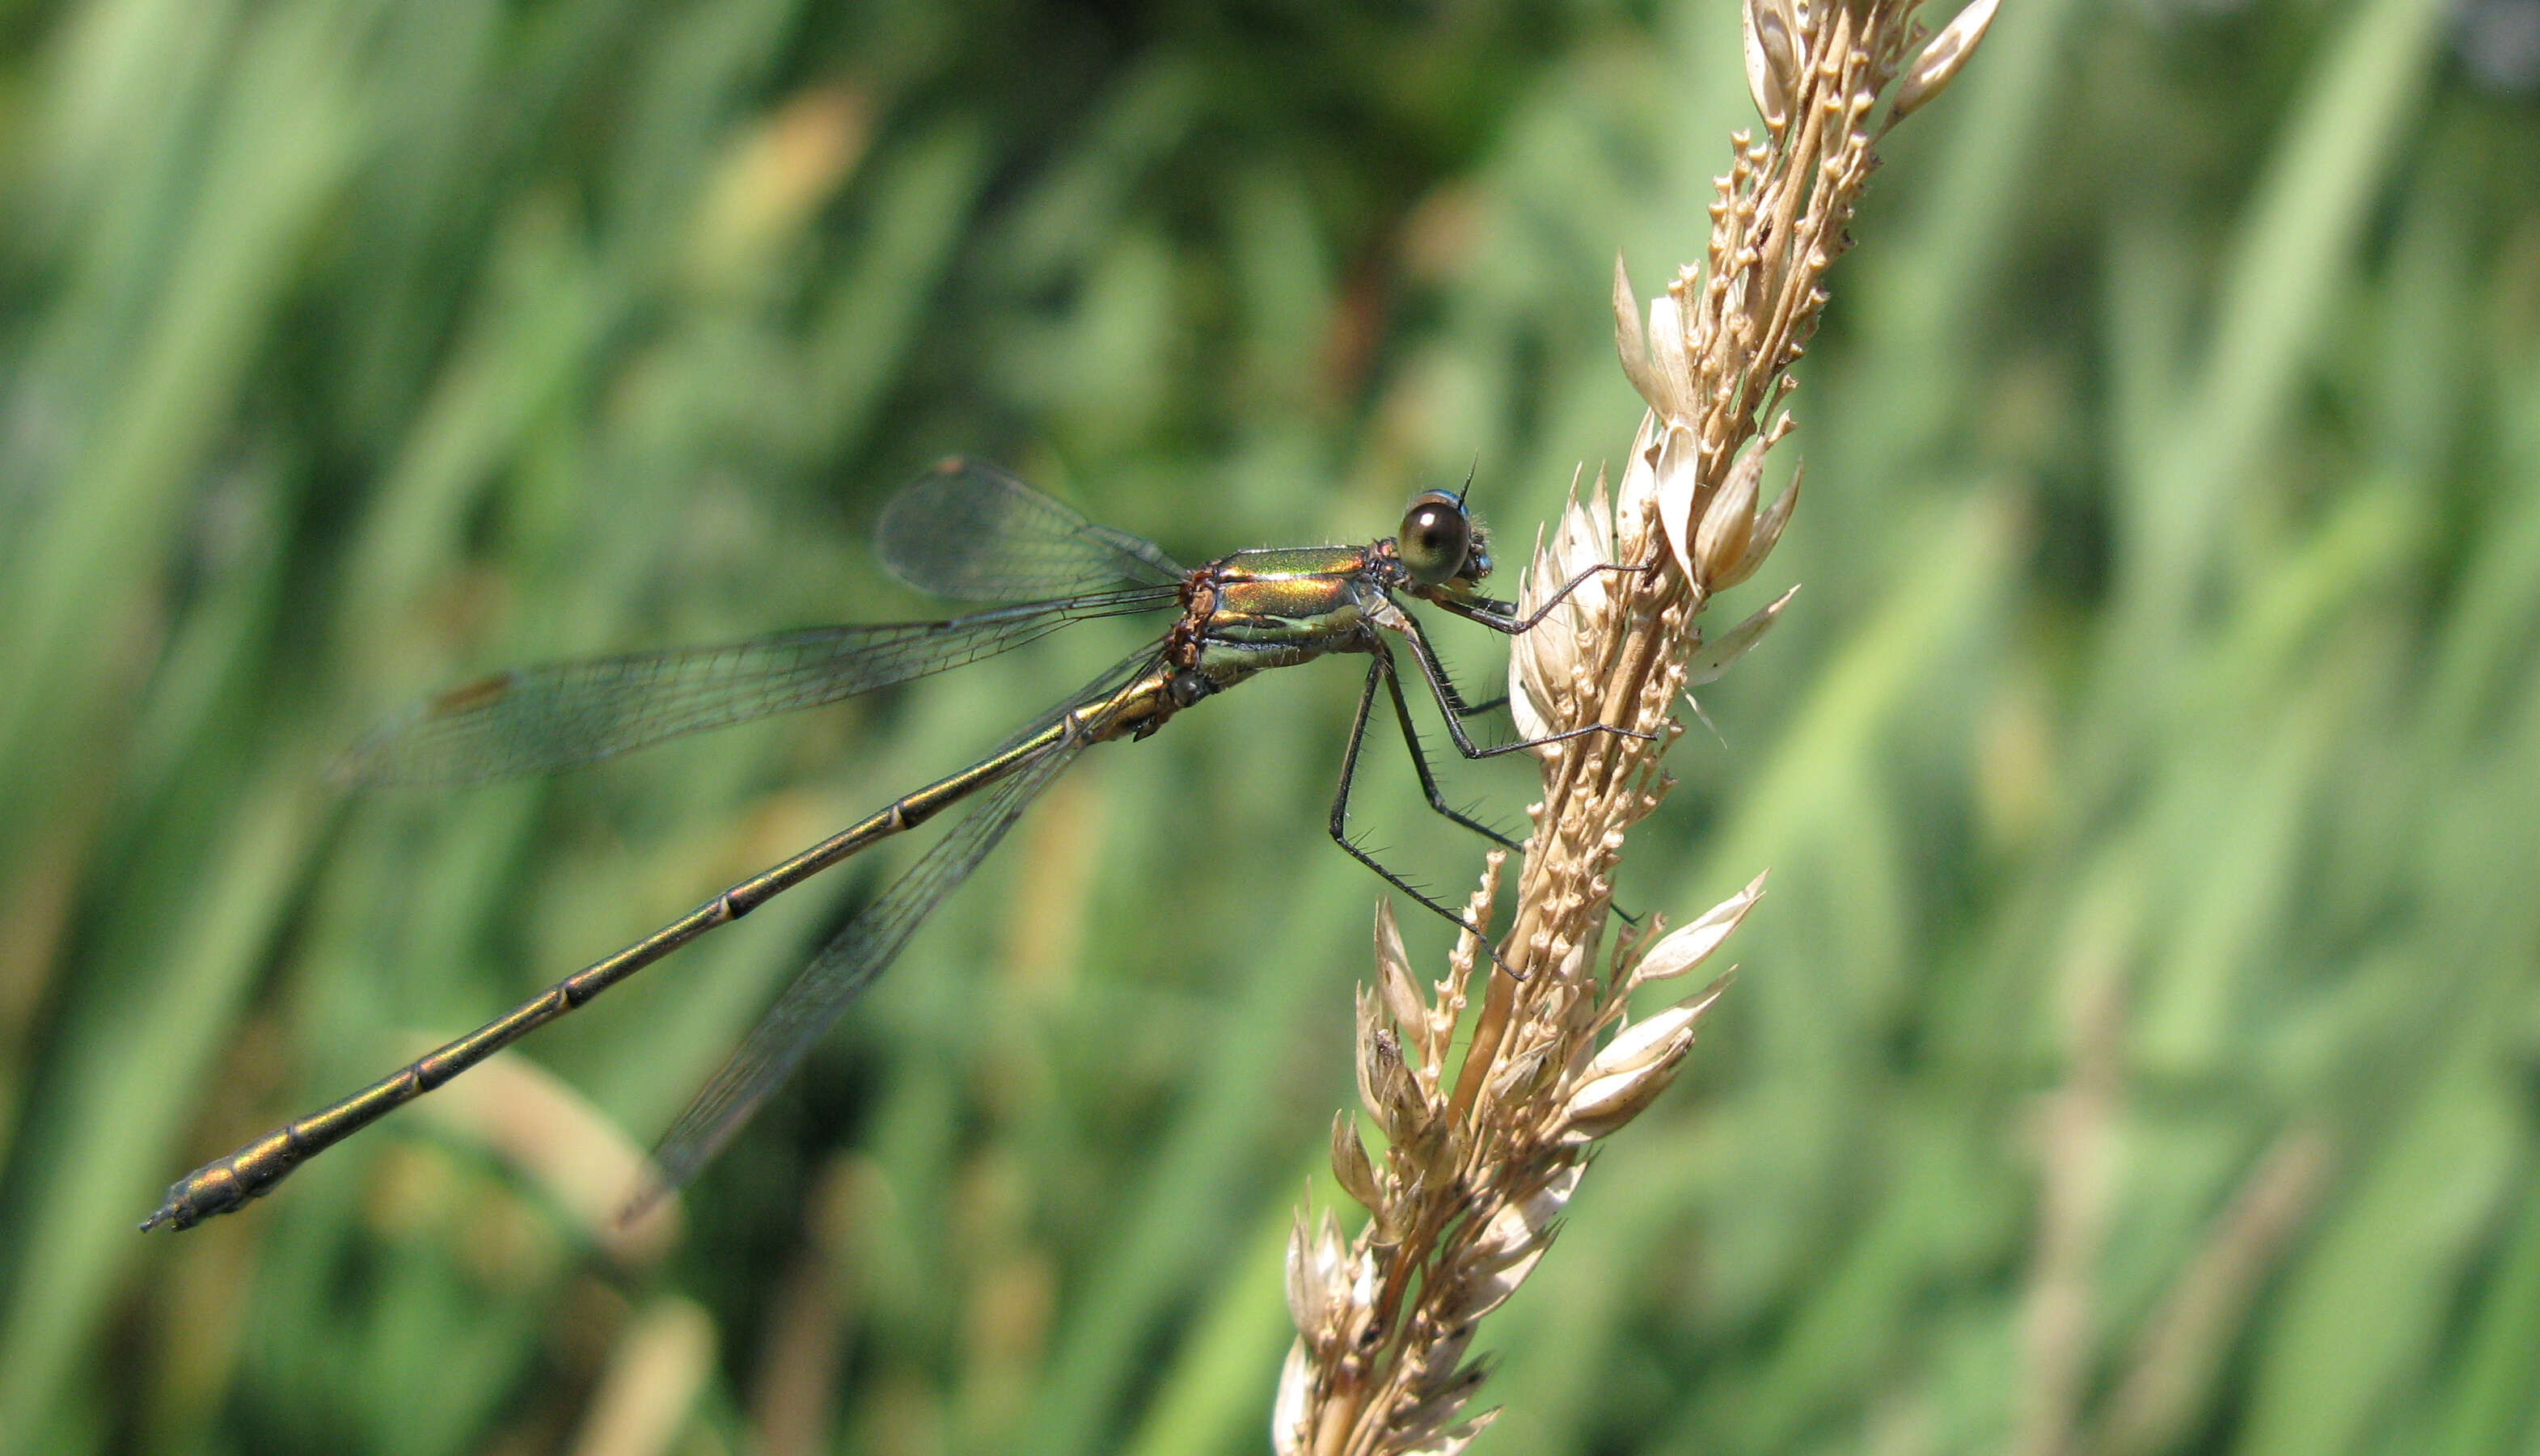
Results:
x,y
2139,1051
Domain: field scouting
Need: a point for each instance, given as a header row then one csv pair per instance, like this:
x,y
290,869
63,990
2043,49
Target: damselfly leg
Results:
x,y
1499,616
1382,667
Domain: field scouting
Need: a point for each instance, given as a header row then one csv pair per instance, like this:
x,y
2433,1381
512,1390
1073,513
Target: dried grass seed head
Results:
x,y
1481,1162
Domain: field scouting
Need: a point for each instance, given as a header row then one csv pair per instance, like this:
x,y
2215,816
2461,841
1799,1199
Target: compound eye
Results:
x,y
1436,537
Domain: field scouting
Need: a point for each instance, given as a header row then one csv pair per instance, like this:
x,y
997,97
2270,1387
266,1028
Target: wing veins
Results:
x,y
968,530
540,719
857,955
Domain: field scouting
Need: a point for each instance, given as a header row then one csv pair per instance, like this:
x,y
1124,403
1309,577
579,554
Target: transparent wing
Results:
x,y
537,719
859,953
969,531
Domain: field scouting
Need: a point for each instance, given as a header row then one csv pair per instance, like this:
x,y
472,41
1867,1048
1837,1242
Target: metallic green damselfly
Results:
x,y
963,530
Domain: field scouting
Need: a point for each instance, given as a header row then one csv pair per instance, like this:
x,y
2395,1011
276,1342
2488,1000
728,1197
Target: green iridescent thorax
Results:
x,y
1302,595
1274,562
1276,608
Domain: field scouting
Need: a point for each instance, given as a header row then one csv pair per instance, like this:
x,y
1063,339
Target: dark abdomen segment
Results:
x,y
251,1171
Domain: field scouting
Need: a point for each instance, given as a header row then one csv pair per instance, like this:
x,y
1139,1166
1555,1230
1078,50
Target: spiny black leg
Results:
x,y
1453,698
1340,814
1420,760
1436,673
1501,616
1383,665
1394,682
1455,695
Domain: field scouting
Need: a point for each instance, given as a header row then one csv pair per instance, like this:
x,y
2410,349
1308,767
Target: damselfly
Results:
x,y
963,530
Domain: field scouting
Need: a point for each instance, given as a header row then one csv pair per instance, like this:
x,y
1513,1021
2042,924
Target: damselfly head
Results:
x,y
1440,541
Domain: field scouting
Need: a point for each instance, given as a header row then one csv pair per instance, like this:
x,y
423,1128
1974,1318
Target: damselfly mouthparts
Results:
x,y
965,531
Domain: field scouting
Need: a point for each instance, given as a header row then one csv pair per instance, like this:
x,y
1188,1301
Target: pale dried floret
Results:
x,y
1402,998
1392,1096
1546,676
1729,521
1631,346
1312,1270
1351,1166
1452,1443
1713,658
1677,460
1289,1408
1540,662
1462,1302
1769,59
1630,1072
1636,494
1689,946
1937,65
1767,533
